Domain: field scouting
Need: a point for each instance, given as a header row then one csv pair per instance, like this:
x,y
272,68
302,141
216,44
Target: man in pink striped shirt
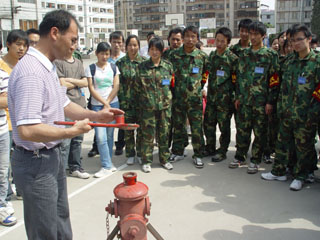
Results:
x,y
36,99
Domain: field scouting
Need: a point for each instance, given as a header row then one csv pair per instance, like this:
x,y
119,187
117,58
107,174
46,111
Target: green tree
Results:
x,y
315,26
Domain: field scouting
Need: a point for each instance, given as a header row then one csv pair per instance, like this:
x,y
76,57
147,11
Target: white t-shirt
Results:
x,y
103,82
4,77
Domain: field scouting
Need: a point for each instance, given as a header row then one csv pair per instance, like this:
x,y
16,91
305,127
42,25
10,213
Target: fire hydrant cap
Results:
x,y
130,189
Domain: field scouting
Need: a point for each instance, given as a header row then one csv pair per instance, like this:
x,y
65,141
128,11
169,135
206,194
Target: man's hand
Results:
x,y
107,115
81,127
237,104
268,109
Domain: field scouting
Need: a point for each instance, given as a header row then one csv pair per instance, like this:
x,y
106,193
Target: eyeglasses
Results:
x,y
297,40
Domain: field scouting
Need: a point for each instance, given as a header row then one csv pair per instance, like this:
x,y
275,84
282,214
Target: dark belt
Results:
x,y
37,151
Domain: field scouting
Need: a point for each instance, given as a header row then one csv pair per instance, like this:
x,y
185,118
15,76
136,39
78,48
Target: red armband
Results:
x,y
274,80
172,80
316,93
205,77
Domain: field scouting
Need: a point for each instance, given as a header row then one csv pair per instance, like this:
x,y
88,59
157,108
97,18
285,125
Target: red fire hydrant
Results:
x,y
131,205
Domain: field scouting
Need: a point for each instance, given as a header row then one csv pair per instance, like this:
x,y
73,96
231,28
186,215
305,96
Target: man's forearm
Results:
x,y
3,102
76,112
77,82
45,133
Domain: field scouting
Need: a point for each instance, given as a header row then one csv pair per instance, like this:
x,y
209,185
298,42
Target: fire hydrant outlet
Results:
x,y
133,227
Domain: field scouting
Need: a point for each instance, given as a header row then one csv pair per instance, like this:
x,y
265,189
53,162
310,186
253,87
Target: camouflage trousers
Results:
x,y
251,118
215,115
302,138
180,112
133,144
272,132
155,123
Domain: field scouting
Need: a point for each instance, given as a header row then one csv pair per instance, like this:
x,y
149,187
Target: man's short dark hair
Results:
x,y
116,35
16,35
175,31
244,23
192,29
258,27
157,43
103,47
150,34
301,28
33,31
280,34
60,19
225,32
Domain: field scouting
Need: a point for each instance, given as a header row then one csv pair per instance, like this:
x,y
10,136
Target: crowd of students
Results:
x,y
272,92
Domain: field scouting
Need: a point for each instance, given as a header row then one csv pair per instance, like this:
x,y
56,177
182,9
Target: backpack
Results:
x,y
93,72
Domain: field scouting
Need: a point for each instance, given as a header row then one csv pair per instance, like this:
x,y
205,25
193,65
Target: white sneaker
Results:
x,y
139,160
175,158
198,162
5,217
79,174
9,208
270,177
167,166
130,161
296,185
104,172
146,168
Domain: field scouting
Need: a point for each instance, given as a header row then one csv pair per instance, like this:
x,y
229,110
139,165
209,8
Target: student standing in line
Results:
x,y
128,68
154,78
103,83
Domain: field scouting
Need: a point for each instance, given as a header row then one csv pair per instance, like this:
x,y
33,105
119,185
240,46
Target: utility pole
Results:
x,y
125,18
12,14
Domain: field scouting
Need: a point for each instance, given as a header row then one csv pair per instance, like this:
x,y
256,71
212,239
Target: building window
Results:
x,y
71,7
27,1
307,14
268,16
80,8
295,3
50,5
294,15
80,19
27,24
308,3
62,6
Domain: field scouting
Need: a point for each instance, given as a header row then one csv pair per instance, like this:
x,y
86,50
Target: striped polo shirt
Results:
x,y
4,77
35,96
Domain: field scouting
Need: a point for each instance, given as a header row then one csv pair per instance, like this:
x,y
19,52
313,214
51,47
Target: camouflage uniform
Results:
x,y
220,99
154,95
165,56
237,49
187,102
127,98
257,85
298,111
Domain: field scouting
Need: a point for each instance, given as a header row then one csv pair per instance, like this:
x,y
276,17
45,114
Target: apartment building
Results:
x,y
289,12
149,15
96,17
226,12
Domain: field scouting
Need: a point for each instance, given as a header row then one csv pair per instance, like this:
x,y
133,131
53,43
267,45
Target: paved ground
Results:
x,y
191,204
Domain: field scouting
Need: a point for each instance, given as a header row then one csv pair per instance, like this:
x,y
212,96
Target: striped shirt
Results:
x,y
4,77
35,96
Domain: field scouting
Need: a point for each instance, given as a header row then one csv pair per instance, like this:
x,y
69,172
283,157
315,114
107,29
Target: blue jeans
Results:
x,y
71,151
105,139
4,166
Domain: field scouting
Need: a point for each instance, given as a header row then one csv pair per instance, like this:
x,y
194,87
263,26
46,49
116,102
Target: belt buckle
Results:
x,y
36,152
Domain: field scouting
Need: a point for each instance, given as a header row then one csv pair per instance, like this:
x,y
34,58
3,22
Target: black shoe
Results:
x,y
93,152
118,151
218,157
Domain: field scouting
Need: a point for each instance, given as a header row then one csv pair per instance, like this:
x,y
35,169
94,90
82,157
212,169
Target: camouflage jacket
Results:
x,y
153,85
237,49
222,77
189,69
258,77
127,78
166,53
299,96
